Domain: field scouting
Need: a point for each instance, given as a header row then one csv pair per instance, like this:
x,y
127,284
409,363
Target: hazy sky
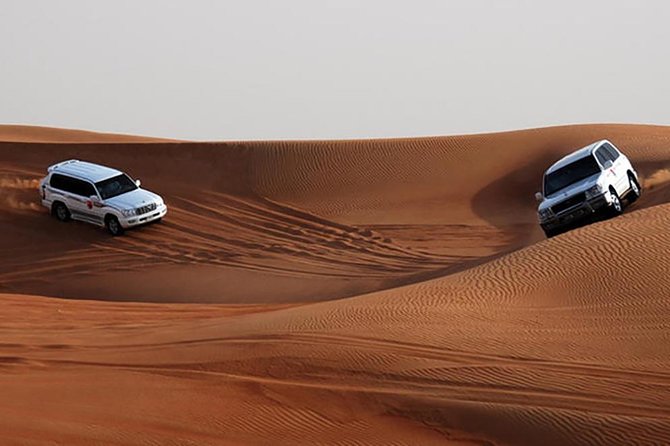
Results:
x,y
252,69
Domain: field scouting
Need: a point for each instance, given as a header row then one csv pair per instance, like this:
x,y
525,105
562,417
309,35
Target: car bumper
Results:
x,y
136,220
577,213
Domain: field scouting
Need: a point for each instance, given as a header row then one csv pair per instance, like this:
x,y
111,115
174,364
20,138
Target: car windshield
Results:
x,y
570,174
114,186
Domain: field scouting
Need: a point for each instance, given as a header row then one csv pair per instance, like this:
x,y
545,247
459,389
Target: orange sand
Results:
x,y
350,292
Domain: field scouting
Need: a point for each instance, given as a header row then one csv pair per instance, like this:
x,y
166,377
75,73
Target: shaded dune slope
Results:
x,y
562,341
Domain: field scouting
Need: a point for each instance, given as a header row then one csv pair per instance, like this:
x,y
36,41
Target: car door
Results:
x,y
64,188
619,167
55,189
79,201
607,165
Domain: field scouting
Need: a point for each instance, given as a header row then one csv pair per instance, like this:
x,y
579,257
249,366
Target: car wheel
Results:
x,y
61,212
616,208
113,226
549,233
635,192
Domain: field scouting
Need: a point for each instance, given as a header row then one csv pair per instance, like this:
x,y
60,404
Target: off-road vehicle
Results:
x,y
594,179
96,194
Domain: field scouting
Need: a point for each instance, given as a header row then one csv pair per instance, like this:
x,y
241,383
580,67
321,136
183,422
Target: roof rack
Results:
x,y
57,165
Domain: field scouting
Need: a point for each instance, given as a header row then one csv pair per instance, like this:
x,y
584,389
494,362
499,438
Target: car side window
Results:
x,y
63,183
82,188
612,153
87,189
72,185
57,181
602,156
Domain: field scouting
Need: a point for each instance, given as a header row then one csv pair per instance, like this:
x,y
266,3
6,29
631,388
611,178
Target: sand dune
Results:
x,y
36,134
339,292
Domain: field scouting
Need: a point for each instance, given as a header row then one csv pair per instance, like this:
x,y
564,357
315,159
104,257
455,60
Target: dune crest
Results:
x,y
39,134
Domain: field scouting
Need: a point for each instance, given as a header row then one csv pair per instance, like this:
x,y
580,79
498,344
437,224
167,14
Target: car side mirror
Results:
x,y
95,200
138,182
538,196
608,164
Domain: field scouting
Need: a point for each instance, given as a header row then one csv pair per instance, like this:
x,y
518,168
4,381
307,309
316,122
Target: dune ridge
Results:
x,y
342,292
40,134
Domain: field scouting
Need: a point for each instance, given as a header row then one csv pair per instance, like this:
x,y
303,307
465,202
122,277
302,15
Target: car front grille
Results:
x,y
570,202
144,209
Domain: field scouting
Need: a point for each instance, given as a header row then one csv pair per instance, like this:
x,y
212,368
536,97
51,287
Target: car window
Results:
x,y
570,174
64,183
76,186
84,188
612,153
115,186
72,185
58,182
602,156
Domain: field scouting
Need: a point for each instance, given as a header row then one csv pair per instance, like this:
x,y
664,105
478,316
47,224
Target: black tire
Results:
x,y
616,207
113,226
635,190
60,211
549,233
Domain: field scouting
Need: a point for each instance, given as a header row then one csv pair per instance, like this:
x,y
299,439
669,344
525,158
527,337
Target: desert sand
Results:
x,y
31,133
356,292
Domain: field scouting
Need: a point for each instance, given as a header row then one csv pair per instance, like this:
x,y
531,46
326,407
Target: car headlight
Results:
x,y
128,212
545,213
593,191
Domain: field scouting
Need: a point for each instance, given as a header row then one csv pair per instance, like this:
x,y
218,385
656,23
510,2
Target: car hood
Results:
x,y
575,188
133,199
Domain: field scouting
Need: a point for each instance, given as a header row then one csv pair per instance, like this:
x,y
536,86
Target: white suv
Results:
x,y
590,180
99,195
